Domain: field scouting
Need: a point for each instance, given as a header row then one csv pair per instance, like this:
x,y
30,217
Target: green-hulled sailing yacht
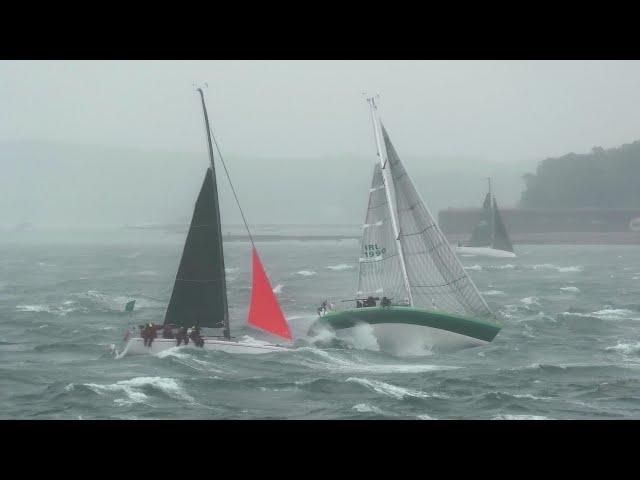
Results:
x,y
407,264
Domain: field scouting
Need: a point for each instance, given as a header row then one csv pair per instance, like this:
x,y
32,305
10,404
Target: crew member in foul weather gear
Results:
x,y
322,310
153,334
358,304
167,331
196,337
181,336
385,302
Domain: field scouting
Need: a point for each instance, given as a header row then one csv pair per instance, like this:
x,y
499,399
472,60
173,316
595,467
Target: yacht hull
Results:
x,y
407,330
135,346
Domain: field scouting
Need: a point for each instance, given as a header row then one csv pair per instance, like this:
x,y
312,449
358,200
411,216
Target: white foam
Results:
x,y
626,348
131,388
306,273
570,289
278,288
424,416
230,269
363,337
390,390
474,267
60,311
549,266
491,293
366,408
338,268
613,313
32,308
520,417
342,365
530,301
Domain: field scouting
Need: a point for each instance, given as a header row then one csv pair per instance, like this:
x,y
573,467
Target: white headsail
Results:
x,y
436,277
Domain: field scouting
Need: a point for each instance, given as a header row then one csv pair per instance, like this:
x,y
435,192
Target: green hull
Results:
x,y
485,330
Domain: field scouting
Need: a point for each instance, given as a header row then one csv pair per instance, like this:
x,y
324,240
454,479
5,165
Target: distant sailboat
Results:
x,y
428,300
199,296
489,237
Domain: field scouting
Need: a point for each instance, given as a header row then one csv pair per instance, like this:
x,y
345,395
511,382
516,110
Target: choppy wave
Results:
x,y
626,348
366,408
133,389
390,390
278,288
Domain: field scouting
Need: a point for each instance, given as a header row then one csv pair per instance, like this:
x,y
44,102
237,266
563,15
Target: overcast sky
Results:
x,y
441,115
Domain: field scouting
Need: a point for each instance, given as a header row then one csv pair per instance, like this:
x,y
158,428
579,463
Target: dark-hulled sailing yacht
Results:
x,y
199,297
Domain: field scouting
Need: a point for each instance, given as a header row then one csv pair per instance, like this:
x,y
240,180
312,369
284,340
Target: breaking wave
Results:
x,y
390,390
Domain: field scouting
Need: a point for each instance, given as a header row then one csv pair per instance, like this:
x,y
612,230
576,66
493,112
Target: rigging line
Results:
x,y
441,285
235,195
417,233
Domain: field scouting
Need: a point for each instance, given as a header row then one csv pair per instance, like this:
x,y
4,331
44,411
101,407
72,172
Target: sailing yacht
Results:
x,y
429,300
199,296
489,237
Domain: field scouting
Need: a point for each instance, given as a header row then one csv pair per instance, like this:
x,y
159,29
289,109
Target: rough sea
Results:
x,y
570,347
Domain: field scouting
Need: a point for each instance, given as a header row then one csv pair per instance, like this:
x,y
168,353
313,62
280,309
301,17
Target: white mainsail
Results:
x,y
380,270
437,280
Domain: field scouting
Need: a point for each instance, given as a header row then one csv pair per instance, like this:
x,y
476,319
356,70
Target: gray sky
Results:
x,y
291,126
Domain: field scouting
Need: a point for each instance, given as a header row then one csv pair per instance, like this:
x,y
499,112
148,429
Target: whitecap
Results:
x,y
613,313
131,388
366,408
306,273
520,417
340,267
390,390
424,416
530,301
474,267
626,348
278,288
570,289
491,293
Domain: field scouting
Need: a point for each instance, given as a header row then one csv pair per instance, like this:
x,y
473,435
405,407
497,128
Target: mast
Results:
x,y
492,215
385,182
226,330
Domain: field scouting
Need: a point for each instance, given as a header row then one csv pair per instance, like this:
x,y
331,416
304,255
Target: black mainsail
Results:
x,y
490,231
481,234
199,296
501,240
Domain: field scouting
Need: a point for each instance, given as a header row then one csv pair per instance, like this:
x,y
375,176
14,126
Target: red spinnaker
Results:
x,y
265,312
